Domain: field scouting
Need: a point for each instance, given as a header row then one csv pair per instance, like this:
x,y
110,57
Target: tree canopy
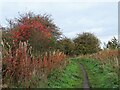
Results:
x,y
66,45
113,43
86,43
38,30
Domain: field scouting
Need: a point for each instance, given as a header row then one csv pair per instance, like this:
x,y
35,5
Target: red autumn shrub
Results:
x,y
26,26
39,30
27,35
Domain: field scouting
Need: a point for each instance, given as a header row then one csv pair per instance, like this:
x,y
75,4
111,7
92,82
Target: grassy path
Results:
x,y
84,73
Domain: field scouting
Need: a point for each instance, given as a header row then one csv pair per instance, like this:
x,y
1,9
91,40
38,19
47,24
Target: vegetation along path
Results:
x,y
83,73
106,75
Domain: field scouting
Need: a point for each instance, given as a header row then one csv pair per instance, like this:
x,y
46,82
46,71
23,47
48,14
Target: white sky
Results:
x,y
71,16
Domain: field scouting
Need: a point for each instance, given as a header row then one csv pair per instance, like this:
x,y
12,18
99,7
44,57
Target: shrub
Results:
x,y
39,30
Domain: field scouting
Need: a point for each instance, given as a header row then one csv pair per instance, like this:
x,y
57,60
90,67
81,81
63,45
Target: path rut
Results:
x,y
86,80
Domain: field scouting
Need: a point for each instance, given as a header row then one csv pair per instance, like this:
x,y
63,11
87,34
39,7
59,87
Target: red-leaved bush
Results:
x,y
26,50
24,28
39,30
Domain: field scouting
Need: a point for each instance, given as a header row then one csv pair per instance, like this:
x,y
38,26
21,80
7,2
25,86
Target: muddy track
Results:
x,y
85,76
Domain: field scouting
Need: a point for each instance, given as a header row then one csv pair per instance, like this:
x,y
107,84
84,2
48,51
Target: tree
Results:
x,y
113,43
86,43
38,30
66,45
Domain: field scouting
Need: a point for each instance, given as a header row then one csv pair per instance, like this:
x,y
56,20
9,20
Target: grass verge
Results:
x,y
100,77
70,77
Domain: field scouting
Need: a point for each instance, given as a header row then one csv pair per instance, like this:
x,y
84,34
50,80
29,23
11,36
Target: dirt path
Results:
x,y
86,81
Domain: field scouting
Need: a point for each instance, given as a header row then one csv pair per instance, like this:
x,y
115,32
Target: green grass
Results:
x,y
100,77
70,77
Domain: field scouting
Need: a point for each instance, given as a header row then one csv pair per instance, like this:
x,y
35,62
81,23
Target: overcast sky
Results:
x,y
100,18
